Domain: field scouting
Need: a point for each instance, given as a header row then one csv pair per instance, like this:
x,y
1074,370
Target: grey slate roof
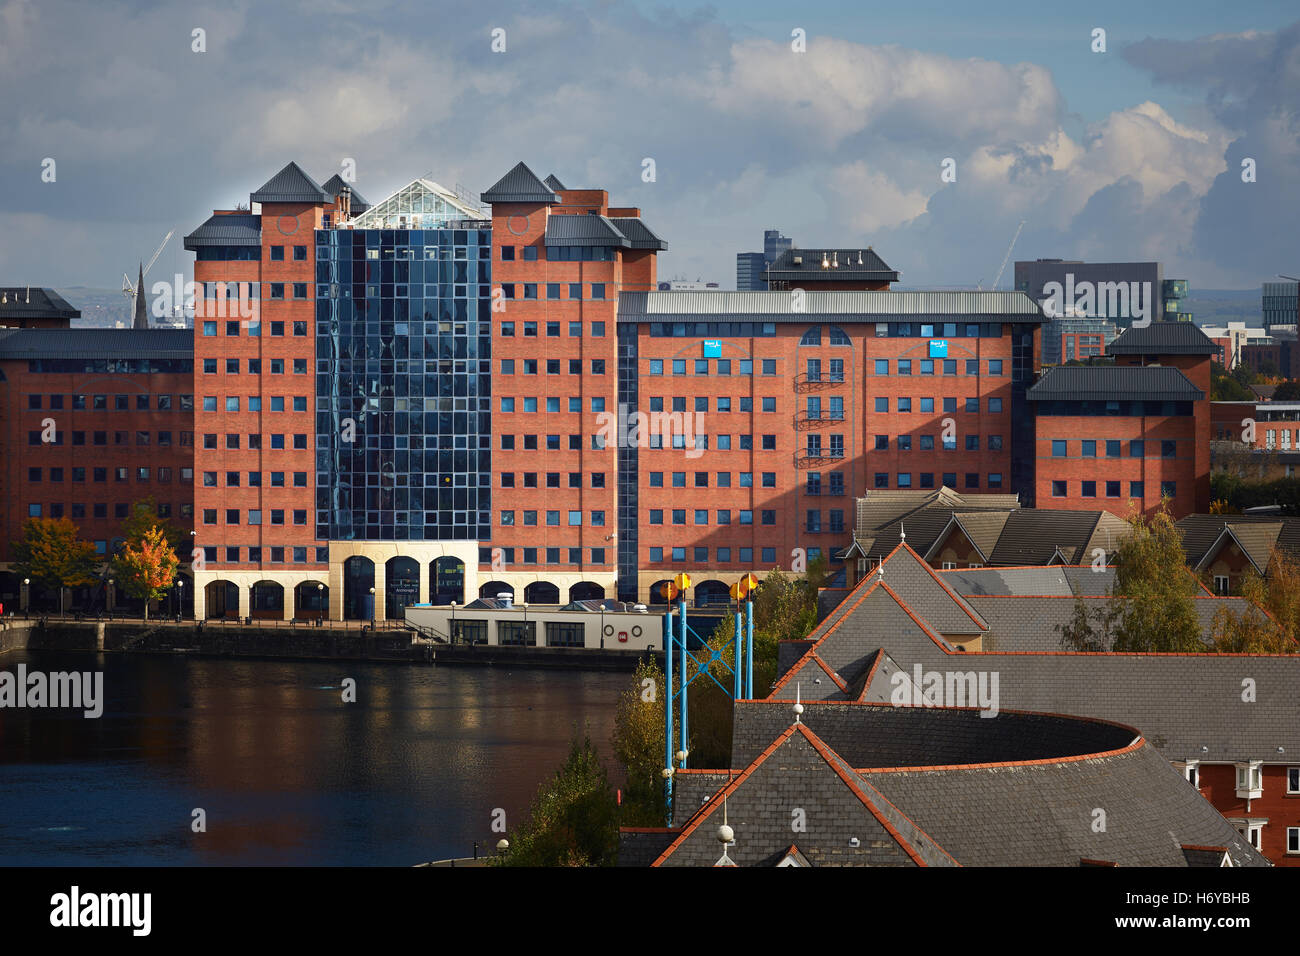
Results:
x,y
938,786
840,307
637,233
553,182
1163,338
1031,536
1017,625
336,184
1258,534
26,344
837,807
1181,702
520,185
290,184
584,230
809,268
237,229
1101,383
1054,581
22,302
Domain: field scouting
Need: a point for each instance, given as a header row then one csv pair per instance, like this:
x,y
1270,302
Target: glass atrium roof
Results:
x,y
422,204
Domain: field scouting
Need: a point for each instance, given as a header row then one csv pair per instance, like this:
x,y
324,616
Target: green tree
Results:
x,y
573,820
1288,391
147,567
1229,387
51,554
144,515
1270,621
1152,606
638,741
1086,630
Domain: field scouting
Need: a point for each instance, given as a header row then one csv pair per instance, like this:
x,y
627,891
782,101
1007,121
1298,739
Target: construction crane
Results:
x,y
1003,268
131,291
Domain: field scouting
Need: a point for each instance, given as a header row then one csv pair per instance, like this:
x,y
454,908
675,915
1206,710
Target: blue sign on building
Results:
x,y
938,348
712,348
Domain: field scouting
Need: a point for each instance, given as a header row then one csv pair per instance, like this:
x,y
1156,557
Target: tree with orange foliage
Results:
x,y
147,571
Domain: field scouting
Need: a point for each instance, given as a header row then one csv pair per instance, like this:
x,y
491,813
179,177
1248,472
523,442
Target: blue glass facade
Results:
x,y
403,384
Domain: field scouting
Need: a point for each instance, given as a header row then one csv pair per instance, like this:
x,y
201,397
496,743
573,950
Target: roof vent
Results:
x,y
826,263
835,260
860,257
798,260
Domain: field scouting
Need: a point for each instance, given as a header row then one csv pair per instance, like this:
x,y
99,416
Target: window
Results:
x,y
1168,448
972,442
1058,448
1058,489
1088,449
1136,448
995,366
1089,489
1250,784
1293,839
1137,489
1168,489
1293,779
1112,489
995,404
904,366
598,290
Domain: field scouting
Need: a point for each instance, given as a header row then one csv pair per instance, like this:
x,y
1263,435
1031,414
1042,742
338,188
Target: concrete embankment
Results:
x,y
292,643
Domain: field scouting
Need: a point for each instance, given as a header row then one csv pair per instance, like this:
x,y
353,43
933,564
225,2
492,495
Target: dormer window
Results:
x,y
1192,770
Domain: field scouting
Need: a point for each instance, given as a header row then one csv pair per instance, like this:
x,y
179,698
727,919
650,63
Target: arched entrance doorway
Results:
x,y
711,593
542,592
358,585
447,581
494,588
311,601
586,591
266,602
659,592
222,600
402,586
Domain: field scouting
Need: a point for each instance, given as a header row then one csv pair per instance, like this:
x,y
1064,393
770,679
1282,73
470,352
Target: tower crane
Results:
x,y
133,291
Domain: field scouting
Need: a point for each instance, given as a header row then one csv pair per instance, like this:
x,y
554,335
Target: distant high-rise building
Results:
x,y
749,272
750,266
774,244
1123,292
1281,301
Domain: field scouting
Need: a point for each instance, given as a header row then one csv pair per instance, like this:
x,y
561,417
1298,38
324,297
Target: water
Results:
x,y
285,771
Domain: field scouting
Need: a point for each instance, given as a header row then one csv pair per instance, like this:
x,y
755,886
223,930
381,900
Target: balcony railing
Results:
x,y
804,382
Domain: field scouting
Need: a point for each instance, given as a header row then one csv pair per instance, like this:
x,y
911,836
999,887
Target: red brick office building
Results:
x,y
797,400
1123,436
93,420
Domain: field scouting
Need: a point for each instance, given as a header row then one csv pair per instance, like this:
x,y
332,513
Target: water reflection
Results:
x,y
285,771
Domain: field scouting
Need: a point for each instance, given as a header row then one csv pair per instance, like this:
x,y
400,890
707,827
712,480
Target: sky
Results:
x,y
836,135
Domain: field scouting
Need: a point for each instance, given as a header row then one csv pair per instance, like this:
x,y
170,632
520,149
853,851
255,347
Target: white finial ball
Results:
x,y
503,845
681,756
666,772
725,834
798,708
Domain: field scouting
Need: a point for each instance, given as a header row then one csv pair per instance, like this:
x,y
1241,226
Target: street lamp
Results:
x,y
27,595
180,598
320,599
453,622
372,608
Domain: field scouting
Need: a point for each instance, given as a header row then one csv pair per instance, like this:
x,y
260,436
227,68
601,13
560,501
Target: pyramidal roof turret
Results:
x,y
291,184
336,184
520,185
